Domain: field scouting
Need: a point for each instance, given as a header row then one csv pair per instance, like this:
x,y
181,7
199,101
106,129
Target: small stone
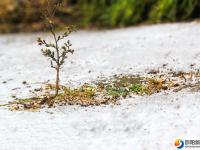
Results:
x,y
164,65
176,85
24,82
153,71
13,96
37,90
165,88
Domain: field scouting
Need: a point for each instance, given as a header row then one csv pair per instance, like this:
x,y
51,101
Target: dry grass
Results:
x,y
110,91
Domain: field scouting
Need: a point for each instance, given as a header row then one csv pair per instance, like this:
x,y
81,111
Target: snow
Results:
x,y
141,123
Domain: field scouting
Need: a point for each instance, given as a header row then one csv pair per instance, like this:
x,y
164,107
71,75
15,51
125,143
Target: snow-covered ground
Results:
x,y
140,123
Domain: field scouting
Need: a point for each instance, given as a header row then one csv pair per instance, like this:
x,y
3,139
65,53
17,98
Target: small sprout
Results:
x,y
55,52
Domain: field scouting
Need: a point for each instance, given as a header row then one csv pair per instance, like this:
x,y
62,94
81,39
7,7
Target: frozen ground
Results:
x,y
140,123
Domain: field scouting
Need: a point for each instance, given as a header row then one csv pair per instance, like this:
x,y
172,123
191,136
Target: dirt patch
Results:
x,y
110,91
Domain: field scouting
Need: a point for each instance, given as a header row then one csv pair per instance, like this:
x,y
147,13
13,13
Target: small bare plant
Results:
x,y
54,51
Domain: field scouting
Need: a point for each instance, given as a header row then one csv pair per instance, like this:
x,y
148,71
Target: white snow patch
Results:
x,y
141,123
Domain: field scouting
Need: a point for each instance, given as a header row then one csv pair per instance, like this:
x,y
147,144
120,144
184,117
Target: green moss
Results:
x,y
136,88
116,92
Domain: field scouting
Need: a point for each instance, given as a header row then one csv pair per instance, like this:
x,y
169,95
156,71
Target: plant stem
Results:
x,y
57,81
57,63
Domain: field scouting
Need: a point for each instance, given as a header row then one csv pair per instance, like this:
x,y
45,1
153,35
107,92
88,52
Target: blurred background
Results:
x,y
24,15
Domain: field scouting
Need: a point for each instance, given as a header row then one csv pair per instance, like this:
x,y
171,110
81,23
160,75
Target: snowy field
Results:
x,y
140,123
